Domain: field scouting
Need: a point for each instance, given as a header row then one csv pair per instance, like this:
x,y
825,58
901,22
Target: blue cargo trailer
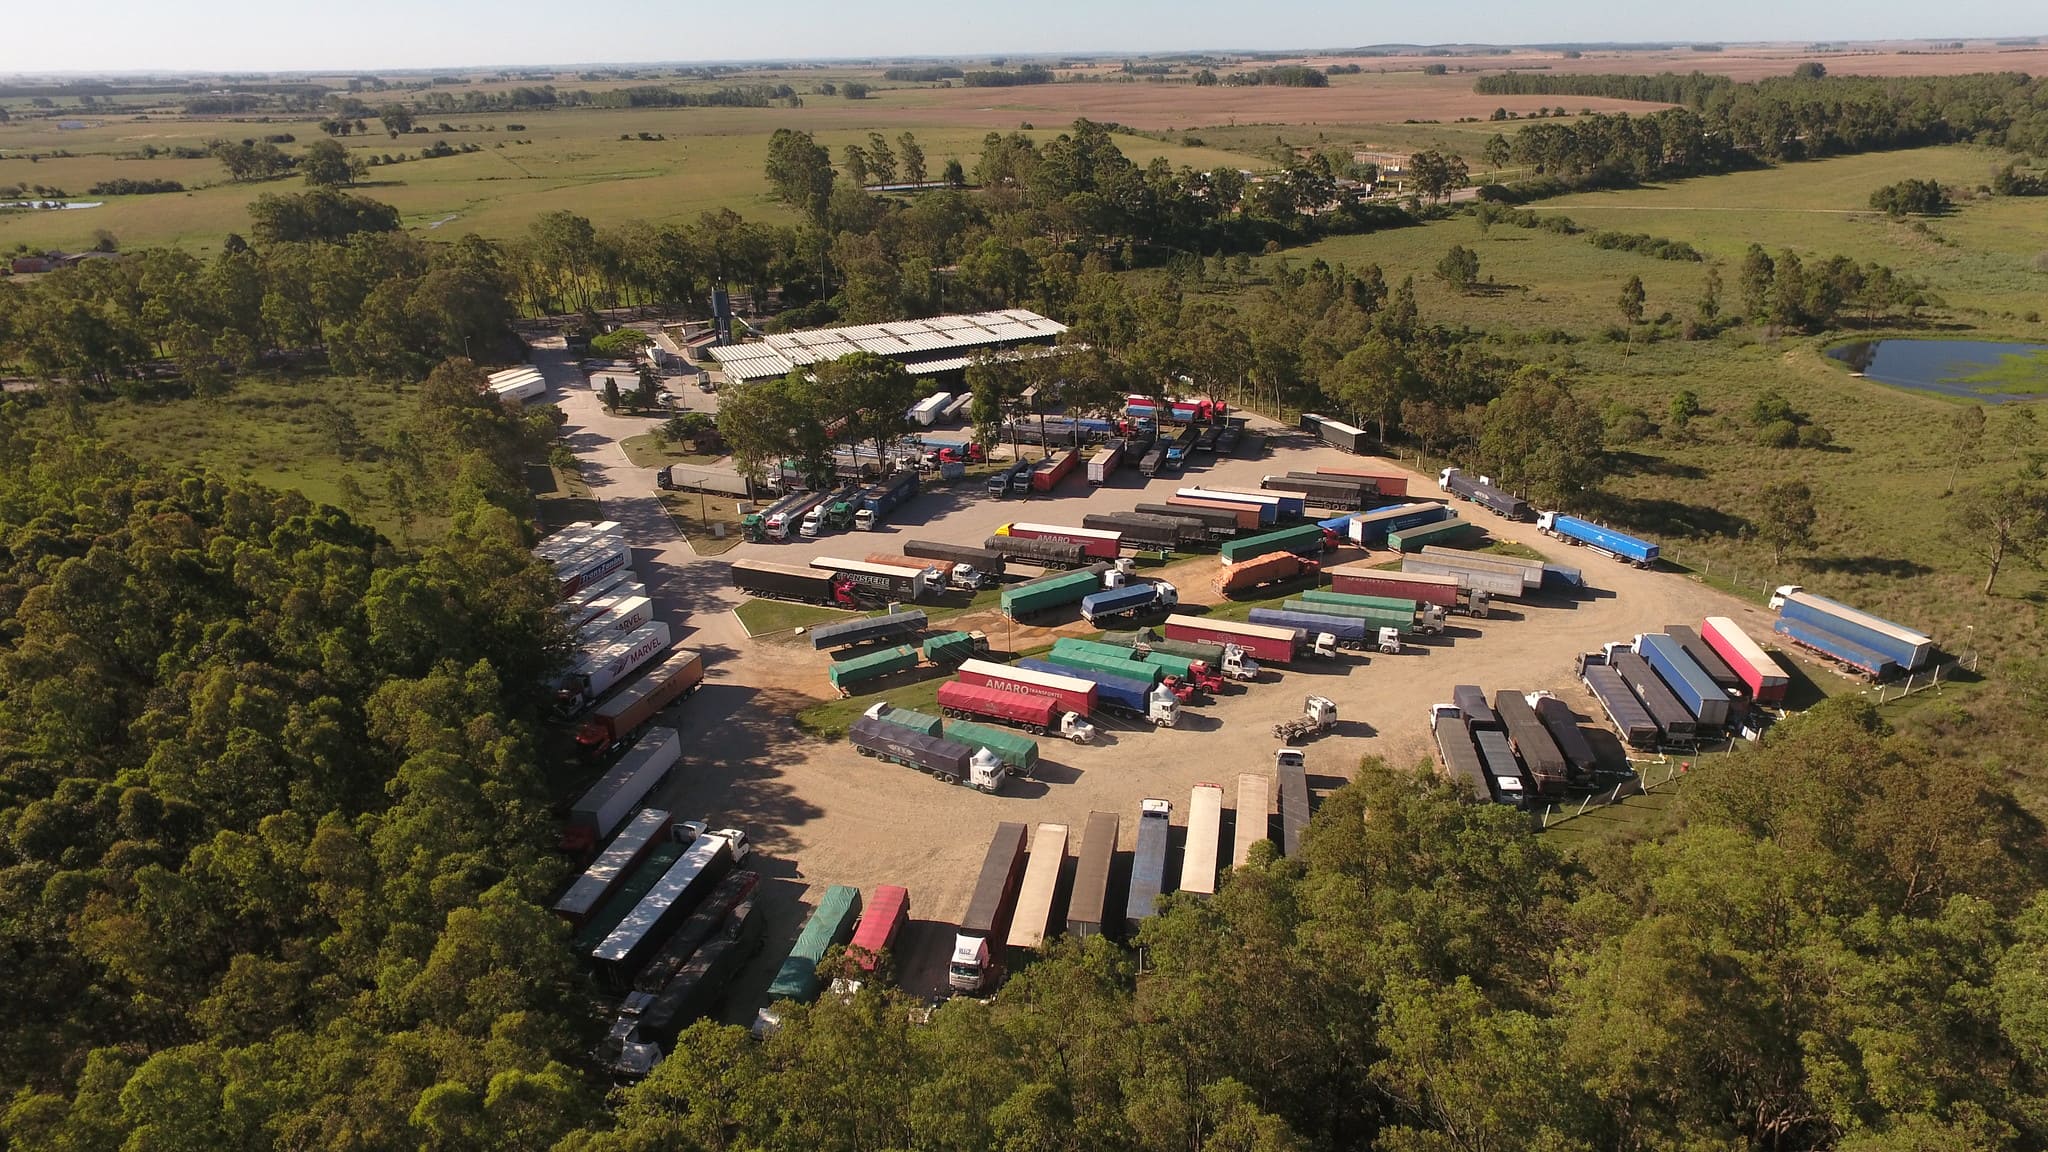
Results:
x,y
1619,545
1117,692
1836,647
1705,699
1350,631
1895,642
1370,529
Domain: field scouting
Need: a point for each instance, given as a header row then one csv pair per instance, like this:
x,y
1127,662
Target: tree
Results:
x,y
319,215
1684,407
912,155
1809,70
1498,151
881,161
650,388
1785,517
327,164
1459,268
397,119
955,174
1756,280
1631,302
1709,306
855,161
613,400
871,394
2005,519
1376,377
1965,442
1436,175
1539,438
800,171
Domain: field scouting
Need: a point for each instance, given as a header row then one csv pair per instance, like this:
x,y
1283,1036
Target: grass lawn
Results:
x,y
1515,549
763,617
699,516
563,496
648,450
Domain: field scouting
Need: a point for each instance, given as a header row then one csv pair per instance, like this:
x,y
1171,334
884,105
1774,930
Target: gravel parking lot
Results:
x,y
822,814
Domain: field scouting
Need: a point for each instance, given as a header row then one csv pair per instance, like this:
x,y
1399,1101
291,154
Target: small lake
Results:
x,y
1986,370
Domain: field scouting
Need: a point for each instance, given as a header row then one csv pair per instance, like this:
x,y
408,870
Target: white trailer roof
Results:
x,y
923,344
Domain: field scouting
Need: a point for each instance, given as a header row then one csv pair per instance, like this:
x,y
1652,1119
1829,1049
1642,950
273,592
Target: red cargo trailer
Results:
x,y
1094,544
1267,644
880,923
1746,658
1023,709
1247,518
1072,693
1047,475
1359,580
1389,483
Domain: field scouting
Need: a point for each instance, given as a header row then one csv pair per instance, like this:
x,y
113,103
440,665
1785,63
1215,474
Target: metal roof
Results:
x,y
937,344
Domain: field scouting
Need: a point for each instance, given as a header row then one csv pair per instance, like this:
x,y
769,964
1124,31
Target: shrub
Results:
x,y
1778,434
1815,436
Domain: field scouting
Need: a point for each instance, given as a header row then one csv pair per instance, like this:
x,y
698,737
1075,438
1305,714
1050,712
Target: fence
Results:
x,y
1922,680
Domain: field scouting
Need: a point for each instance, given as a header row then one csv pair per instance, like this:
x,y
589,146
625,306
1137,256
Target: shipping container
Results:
x,y
1150,642
1041,553
1033,924
877,582
1618,700
1758,669
1033,713
1262,569
618,717
1344,436
921,723
621,789
1372,617
1326,493
1532,742
1389,482
1293,808
1148,862
1267,645
1186,668
1019,752
1424,587
1150,532
1115,692
1350,632
1085,657
1895,642
1254,816
1705,700
1047,474
1217,522
1205,833
1022,601
1531,571
1366,487
599,669
948,649
1470,578
1835,647
1443,531
1104,463
1398,604
1288,504
639,837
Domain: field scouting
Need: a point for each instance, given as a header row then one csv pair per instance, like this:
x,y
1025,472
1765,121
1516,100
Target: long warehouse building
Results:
x,y
928,347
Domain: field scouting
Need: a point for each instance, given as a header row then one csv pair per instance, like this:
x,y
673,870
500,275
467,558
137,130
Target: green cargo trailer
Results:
x,y
621,902
1210,654
1018,751
1174,665
1024,599
1442,532
846,673
915,721
1377,617
1114,665
950,648
831,924
1390,603
1300,538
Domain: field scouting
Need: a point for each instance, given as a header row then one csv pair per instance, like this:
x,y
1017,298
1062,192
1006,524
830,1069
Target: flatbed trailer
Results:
x,y
1088,911
1205,829
1032,924
1254,816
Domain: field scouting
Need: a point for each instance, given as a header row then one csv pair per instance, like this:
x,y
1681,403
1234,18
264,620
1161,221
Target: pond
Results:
x,y
1985,370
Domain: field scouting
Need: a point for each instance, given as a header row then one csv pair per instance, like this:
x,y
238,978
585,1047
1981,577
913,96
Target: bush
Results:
x,y
1815,436
1625,423
1911,197
1778,434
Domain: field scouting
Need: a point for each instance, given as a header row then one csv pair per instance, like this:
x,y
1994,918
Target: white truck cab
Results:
x,y
1073,727
1238,664
1390,641
1162,707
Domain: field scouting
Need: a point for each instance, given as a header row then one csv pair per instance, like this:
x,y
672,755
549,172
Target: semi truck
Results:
x,y
1530,571
601,667
1073,694
1266,506
1619,545
1618,700
1247,517
1371,529
1423,587
1286,505
1254,816
1048,473
1481,490
785,512
1140,530
1900,645
1030,711
1580,761
1043,553
939,575
976,963
796,979
702,865
948,649
1292,770
1151,462
1389,483
1268,568
954,763
1320,492
919,722
1302,540
1217,523
1135,697
866,630
1449,530
1033,924
833,513
1531,741
1346,631
1457,754
616,616
1179,448
927,411
695,930
848,675
1019,753
1706,701
1503,775
872,508
1033,598
878,583
881,924
1205,831
1758,669
1339,435
1104,463
1094,544
1367,487
647,829
791,582
1128,601
654,1021
1471,578
620,790
1835,647
1148,862
1187,670
1673,719
1001,482
1088,907
625,712
1717,669
985,561
591,564
1268,645
1084,657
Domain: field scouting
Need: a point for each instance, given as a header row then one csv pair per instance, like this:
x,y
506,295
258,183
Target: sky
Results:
x,y
38,36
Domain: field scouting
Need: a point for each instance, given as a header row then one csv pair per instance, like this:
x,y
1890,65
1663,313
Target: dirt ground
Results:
x,y
822,814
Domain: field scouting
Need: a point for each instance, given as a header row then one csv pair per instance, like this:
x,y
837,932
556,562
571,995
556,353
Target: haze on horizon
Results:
x,y
294,35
